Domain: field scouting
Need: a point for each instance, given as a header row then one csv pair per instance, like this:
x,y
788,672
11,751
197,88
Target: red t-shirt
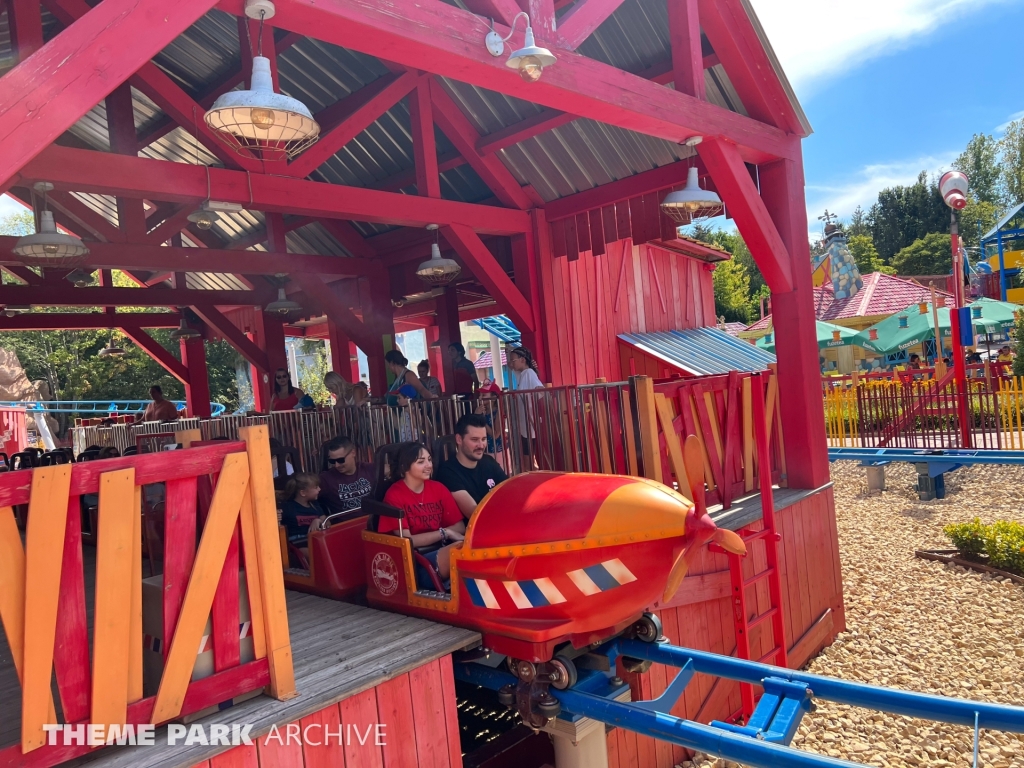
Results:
x,y
434,508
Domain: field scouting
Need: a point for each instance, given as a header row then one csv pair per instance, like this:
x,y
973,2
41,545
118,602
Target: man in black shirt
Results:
x,y
471,474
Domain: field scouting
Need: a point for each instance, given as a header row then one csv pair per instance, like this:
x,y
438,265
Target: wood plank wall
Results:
x,y
701,617
628,289
418,710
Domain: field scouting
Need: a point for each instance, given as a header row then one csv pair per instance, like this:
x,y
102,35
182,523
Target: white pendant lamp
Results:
x,y
530,60
437,270
48,247
269,124
691,203
183,332
283,305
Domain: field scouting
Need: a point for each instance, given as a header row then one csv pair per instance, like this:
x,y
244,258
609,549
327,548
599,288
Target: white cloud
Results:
x,y
1015,116
862,187
814,40
9,205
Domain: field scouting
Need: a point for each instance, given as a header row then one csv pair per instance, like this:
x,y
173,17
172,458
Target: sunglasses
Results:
x,y
339,460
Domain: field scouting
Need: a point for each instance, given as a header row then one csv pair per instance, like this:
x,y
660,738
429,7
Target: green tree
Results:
x,y
863,251
1018,344
1012,161
929,255
980,161
732,292
859,223
979,216
311,376
905,214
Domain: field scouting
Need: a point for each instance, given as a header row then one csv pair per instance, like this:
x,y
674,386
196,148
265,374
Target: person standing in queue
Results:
x,y
466,381
399,366
470,474
432,519
344,482
160,409
524,368
285,396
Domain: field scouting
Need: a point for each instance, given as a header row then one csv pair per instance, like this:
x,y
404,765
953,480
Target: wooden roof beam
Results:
x,y
165,359
583,19
180,182
70,296
86,321
748,210
451,40
70,74
156,258
231,333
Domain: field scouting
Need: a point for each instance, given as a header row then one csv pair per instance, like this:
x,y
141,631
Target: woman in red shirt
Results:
x,y
286,396
431,515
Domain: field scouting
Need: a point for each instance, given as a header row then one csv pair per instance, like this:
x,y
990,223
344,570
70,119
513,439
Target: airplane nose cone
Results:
x,y
643,509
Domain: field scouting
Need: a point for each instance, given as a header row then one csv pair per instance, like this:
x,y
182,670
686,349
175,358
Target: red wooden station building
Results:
x,y
546,190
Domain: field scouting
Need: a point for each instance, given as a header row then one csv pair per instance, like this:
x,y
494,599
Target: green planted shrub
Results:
x,y
969,538
1002,542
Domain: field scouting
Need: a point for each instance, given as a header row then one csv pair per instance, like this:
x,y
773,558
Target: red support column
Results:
x,y
197,391
379,317
527,280
437,356
270,327
342,352
687,57
26,22
131,214
448,332
803,421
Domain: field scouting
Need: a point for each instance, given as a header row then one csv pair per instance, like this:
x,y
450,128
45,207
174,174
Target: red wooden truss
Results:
x,y
346,247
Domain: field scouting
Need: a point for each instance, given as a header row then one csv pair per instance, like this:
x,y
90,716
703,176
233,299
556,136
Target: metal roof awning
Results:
x,y
700,351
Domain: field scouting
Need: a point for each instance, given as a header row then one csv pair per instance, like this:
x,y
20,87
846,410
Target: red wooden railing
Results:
x,y
199,583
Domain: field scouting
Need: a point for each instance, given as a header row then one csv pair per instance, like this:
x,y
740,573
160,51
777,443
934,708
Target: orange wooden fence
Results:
x,y
200,584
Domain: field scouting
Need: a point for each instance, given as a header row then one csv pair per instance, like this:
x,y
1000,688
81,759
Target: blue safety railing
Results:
x,y
96,406
764,740
502,327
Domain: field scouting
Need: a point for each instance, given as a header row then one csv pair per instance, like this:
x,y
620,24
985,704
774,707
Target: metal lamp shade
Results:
x,y
436,270
283,305
50,248
272,125
183,332
691,202
531,59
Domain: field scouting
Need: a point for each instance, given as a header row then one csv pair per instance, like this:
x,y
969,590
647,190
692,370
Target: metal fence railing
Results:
x,y
920,410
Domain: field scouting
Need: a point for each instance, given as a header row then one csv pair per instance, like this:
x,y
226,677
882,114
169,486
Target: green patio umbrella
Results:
x,y
991,316
903,330
827,339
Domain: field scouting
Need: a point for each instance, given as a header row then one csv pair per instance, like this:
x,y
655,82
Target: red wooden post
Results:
x,y
341,352
803,421
448,332
379,317
131,215
428,183
437,355
26,24
687,60
197,390
527,280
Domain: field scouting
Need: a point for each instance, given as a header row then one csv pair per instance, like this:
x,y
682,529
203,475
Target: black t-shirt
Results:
x,y
477,482
296,519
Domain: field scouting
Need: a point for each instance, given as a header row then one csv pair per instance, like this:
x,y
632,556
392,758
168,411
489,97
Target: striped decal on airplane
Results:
x,y
537,593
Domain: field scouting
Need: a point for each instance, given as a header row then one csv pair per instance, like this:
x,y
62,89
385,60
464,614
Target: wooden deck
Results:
x,y
747,509
339,650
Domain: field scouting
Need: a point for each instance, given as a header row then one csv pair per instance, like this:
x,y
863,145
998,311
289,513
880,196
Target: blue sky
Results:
x,y
893,87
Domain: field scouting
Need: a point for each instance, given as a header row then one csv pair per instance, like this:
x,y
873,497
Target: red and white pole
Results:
x,y
953,187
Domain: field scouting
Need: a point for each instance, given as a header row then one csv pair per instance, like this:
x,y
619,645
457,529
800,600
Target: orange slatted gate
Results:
x,y
200,583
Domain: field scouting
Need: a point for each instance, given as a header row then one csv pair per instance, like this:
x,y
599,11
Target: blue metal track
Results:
x,y
764,740
502,327
959,456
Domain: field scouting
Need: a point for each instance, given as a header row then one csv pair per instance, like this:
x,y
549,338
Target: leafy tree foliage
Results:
x,y
864,253
905,214
980,161
732,292
929,255
1012,161
859,223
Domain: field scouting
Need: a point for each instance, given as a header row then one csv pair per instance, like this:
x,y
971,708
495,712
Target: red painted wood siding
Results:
x,y
811,585
628,289
418,710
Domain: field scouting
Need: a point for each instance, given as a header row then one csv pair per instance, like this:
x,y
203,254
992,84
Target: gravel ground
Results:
x,y
918,624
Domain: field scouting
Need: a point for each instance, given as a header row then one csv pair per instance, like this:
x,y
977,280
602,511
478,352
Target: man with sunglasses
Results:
x,y
344,482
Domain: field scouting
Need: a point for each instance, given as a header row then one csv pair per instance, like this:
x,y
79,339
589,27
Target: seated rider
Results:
x,y
432,519
471,473
300,510
344,482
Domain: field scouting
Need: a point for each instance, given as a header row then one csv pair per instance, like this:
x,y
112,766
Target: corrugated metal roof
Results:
x,y
701,351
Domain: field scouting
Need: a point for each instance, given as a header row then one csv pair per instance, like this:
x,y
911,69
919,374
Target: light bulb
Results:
x,y
530,68
263,119
50,248
204,222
